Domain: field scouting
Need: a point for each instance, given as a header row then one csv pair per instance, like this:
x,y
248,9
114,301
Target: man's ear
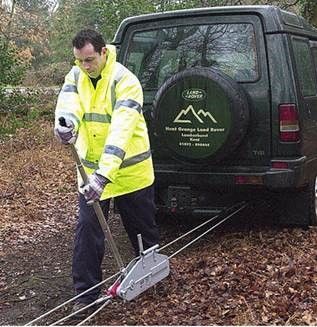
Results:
x,y
103,50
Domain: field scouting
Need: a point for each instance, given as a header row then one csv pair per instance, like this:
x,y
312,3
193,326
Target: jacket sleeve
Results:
x,y
68,102
125,116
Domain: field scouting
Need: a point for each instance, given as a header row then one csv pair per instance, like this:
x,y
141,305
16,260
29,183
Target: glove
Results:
x,y
66,134
94,188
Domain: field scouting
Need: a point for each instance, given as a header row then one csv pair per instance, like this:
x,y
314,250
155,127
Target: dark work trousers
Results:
x,y
137,212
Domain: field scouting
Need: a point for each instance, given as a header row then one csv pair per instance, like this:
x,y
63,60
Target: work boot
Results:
x,y
84,313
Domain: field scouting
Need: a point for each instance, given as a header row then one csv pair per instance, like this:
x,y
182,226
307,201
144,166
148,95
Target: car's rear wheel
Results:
x,y
201,115
298,207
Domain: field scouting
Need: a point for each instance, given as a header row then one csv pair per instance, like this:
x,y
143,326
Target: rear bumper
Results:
x,y
188,190
295,175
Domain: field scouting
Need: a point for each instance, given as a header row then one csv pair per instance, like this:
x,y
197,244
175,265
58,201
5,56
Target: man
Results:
x,y
101,102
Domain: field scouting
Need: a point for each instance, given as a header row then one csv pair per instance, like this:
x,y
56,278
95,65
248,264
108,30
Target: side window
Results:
x,y
314,52
304,67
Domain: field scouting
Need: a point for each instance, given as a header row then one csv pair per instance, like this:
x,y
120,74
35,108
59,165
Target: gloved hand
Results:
x,y
65,134
95,187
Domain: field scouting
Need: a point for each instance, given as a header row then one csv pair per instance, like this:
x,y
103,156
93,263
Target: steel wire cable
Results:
x,y
73,314
203,224
72,299
94,313
107,298
206,232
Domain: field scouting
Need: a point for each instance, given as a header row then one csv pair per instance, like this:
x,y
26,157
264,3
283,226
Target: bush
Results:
x,y
12,69
20,107
53,74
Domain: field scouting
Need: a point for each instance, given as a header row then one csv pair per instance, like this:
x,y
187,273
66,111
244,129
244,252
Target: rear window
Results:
x,y
155,55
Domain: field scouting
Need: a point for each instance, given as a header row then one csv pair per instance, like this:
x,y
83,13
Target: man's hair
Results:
x,y
89,36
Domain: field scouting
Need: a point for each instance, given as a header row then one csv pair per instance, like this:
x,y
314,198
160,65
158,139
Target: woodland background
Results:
x,y
35,35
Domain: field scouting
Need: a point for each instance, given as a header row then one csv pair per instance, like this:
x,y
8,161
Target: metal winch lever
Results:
x,y
142,273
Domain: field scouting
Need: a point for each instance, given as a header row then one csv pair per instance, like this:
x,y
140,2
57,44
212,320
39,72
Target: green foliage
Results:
x,y
12,70
111,13
67,20
103,15
308,8
21,108
187,4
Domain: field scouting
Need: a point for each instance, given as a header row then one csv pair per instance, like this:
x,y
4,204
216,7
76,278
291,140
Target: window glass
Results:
x,y
304,67
155,55
314,52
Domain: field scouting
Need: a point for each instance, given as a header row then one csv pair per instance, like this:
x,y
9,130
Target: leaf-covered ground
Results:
x,y
252,277
246,273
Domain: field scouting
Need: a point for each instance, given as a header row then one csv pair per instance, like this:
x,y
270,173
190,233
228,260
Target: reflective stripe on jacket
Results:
x,y
112,133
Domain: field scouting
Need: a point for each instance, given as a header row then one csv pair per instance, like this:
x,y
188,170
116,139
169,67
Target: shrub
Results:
x,y
48,75
20,107
11,67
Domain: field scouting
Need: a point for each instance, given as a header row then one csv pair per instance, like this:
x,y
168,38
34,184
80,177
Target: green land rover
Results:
x,y
231,106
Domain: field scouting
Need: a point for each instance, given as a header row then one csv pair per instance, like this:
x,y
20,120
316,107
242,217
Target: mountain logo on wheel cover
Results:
x,y
194,94
190,112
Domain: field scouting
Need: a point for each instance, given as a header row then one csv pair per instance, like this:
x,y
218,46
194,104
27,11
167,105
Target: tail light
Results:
x,y
289,124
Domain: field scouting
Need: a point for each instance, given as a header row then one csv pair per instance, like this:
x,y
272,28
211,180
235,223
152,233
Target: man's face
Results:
x,y
89,60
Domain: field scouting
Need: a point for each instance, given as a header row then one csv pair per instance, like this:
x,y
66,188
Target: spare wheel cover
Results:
x,y
201,113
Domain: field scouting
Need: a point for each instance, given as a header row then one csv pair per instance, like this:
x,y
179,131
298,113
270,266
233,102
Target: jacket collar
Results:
x,y
111,60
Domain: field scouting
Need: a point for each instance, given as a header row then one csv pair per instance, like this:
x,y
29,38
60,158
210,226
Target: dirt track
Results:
x,y
246,273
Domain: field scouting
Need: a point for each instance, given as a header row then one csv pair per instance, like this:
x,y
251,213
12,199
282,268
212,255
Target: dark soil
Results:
x,y
248,272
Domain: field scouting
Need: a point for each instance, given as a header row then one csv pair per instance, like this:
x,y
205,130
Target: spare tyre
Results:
x,y
200,113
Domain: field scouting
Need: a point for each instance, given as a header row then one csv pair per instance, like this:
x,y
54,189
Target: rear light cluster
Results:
x,y
289,132
289,124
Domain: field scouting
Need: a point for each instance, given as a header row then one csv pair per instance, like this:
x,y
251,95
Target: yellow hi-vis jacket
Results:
x,y
112,134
